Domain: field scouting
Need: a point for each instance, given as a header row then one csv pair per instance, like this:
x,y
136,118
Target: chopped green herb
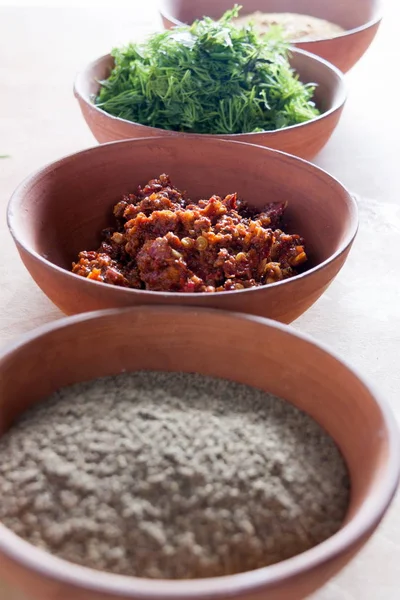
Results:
x,y
5,156
209,77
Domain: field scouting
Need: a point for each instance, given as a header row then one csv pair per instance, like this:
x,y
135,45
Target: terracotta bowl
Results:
x,y
360,19
304,140
167,338
60,210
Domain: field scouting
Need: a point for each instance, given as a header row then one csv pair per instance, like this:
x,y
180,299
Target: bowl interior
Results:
x,y
349,15
298,370
329,92
62,209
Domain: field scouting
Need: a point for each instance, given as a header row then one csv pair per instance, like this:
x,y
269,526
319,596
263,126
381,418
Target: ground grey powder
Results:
x,y
170,476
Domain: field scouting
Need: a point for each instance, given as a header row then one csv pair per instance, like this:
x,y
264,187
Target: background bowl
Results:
x,y
60,210
304,140
167,338
360,19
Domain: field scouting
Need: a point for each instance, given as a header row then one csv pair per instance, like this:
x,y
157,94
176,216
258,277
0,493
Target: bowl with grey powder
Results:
x,y
159,452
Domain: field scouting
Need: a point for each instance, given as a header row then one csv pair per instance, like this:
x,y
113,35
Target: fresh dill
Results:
x,y
209,77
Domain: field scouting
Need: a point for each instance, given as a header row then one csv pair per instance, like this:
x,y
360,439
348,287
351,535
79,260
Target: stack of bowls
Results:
x,y
57,212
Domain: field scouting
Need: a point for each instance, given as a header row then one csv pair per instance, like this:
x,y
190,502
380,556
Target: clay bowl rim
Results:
x,y
163,11
364,522
341,93
14,203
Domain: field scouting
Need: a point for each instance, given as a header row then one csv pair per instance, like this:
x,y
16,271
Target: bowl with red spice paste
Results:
x,y
162,241
187,221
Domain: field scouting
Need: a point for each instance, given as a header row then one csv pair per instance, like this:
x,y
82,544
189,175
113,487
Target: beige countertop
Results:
x,y
359,316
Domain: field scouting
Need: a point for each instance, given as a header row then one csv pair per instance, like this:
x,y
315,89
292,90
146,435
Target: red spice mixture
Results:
x,y
165,242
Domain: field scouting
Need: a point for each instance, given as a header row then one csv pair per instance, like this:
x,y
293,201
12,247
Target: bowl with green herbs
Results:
x,y
213,79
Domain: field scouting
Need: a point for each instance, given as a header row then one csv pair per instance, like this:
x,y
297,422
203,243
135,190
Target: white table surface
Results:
x,y
41,49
